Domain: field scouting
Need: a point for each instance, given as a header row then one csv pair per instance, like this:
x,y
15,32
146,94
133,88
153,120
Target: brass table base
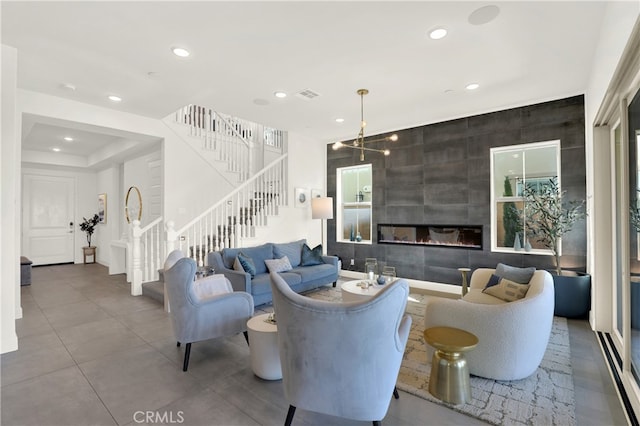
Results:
x,y
449,379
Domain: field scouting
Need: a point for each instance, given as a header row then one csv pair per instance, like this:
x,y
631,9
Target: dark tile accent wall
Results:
x,y
439,173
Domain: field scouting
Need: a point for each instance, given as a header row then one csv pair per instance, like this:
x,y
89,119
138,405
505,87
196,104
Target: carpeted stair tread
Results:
x,y
154,290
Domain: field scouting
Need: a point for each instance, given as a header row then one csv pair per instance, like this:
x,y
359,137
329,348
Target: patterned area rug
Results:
x,y
544,398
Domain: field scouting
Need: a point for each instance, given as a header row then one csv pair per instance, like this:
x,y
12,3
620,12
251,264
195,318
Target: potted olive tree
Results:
x,y
548,219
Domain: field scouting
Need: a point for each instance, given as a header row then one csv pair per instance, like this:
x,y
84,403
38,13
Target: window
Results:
x,y
354,195
514,168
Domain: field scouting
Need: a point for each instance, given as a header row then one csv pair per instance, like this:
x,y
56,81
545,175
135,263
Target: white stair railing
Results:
x,y
229,138
234,217
147,248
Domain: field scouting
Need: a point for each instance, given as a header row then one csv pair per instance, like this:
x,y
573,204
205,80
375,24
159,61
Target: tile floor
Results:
x,y
91,354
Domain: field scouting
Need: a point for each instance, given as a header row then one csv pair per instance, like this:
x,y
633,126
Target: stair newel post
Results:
x,y
136,282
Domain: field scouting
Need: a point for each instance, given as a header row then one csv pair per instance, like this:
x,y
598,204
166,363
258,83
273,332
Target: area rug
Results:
x,y
544,398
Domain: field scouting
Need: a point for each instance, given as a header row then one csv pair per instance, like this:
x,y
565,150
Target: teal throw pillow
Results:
x,y
311,256
247,264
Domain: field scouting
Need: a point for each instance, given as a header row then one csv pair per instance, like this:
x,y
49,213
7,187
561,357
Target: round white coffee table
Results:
x,y
353,292
263,347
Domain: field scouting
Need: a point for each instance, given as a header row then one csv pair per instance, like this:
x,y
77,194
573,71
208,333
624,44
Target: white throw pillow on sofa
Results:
x,y
278,265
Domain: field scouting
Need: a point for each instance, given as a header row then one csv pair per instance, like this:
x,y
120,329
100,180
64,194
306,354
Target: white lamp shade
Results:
x,y
322,208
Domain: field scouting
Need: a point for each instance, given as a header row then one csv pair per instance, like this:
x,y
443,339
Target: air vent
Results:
x,y
307,94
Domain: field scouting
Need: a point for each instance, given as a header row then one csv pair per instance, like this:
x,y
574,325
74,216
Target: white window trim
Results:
x,y
494,200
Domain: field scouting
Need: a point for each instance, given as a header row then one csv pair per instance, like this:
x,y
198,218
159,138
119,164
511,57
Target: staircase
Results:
x,y
242,148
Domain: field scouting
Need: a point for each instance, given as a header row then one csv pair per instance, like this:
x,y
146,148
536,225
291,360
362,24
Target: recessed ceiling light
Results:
x,y
339,120
438,33
68,139
280,94
55,149
114,98
472,86
180,51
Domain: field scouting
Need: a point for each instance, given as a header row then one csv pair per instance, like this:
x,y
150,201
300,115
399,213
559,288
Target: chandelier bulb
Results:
x,y
386,152
337,145
393,137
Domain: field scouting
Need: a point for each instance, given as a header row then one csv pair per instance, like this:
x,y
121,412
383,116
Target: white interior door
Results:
x,y
47,219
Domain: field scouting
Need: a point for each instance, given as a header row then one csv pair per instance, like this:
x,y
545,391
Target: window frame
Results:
x,y
522,149
341,204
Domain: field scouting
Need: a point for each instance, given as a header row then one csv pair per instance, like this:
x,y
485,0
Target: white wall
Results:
x,y
108,182
307,166
9,206
136,173
182,165
617,26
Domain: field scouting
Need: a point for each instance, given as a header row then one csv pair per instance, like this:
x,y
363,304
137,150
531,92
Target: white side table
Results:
x,y
263,347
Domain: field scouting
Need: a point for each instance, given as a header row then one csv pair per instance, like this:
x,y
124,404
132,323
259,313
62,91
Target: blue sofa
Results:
x,y
300,278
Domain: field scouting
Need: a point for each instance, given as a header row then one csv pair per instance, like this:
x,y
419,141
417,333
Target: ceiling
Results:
x,y
243,52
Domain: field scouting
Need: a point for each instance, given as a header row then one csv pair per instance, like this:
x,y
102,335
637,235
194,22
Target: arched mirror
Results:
x,y
133,204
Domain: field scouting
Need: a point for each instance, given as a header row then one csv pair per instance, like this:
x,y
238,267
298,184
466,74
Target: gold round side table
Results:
x,y
449,379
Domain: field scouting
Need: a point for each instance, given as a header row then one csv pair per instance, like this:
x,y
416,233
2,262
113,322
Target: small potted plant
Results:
x,y
548,219
89,226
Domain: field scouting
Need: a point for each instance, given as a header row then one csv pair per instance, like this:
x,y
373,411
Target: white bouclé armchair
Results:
x,y
513,336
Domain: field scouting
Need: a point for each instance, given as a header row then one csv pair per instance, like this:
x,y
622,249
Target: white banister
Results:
x,y
232,139
136,270
234,217
147,253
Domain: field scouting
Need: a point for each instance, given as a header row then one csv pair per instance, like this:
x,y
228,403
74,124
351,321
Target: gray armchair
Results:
x,y
371,335
204,309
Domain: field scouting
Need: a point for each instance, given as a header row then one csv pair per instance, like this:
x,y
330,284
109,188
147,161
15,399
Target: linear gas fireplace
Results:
x,y
456,236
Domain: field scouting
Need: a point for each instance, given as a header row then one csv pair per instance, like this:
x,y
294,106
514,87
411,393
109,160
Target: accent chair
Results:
x,y
202,309
513,336
341,359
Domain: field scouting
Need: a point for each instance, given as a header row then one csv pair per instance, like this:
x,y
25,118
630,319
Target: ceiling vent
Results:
x,y
307,94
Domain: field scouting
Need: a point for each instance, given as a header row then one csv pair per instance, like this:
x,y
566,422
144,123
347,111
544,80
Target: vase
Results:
x,y
527,245
516,242
351,236
358,237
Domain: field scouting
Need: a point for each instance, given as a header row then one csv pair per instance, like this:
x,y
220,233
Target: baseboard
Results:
x,y
429,288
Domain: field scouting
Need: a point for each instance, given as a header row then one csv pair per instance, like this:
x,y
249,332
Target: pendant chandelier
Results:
x,y
359,142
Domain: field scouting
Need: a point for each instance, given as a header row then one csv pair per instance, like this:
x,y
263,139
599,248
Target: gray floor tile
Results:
x,y
97,339
140,379
117,304
33,322
39,354
205,407
56,295
63,316
63,397
130,363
